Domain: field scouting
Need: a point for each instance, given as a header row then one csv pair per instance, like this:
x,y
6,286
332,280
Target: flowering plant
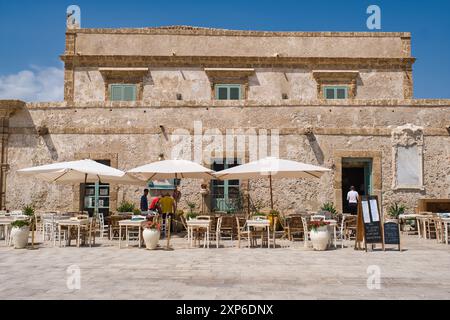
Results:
x,y
151,225
313,225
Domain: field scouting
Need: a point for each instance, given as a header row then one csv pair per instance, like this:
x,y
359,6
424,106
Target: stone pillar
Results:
x,y
7,107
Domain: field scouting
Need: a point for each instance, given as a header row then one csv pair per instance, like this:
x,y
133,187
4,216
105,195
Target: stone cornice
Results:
x,y
233,61
189,30
8,107
392,103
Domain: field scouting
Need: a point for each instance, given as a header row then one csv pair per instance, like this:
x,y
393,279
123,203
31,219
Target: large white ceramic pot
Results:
x,y
20,236
151,238
320,238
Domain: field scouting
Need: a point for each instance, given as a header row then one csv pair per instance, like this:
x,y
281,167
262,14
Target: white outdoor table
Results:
x,y
421,225
263,223
70,223
5,222
198,224
402,218
130,223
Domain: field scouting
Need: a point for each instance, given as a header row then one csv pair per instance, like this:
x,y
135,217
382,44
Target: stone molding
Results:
x,y
8,107
336,77
191,30
407,135
331,131
237,61
393,103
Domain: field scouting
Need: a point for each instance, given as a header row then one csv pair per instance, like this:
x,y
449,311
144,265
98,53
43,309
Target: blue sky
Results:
x,y
32,32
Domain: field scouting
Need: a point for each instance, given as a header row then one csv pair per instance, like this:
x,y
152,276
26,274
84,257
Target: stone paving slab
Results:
x,y
288,272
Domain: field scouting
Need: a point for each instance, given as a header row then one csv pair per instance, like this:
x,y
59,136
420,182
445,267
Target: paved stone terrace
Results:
x,y
294,272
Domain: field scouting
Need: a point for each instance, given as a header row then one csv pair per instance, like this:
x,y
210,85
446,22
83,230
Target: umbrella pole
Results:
x,y
271,197
248,198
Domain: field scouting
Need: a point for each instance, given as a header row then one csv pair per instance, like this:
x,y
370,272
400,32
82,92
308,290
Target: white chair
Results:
x,y
48,226
104,228
306,231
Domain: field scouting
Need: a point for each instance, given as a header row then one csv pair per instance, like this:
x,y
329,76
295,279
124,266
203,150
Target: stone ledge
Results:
x,y
319,131
190,30
8,107
234,61
428,103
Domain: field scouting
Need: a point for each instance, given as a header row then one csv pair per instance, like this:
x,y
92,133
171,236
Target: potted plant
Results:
x,y
21,228
151,234
126,206
320,235
396,209
329,207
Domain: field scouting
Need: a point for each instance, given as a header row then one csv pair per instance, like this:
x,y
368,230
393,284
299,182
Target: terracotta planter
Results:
x,y
151,238
320,238
20,236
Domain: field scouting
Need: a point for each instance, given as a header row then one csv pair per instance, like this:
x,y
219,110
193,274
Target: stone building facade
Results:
x,y
341,100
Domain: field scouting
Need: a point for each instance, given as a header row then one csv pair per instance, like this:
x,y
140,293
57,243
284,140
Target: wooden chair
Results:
x,y
242,231
295,227
225,228
88,232
349,227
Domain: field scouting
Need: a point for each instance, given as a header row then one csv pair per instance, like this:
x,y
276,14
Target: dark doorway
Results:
x,y
358,173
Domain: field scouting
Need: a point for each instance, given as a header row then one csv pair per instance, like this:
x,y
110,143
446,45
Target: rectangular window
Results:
x,y
335,92
123,92
228,92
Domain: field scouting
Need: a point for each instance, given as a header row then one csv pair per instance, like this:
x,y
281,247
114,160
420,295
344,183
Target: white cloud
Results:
x,y
36,84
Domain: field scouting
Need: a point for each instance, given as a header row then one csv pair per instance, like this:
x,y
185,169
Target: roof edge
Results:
x,y
190,30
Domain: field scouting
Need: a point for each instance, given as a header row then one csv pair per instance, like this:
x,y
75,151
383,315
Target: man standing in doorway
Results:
x,y
144,201
352,198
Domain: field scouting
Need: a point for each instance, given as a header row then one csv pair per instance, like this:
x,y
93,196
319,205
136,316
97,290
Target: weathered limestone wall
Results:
x,y
266,84
133,133
154,42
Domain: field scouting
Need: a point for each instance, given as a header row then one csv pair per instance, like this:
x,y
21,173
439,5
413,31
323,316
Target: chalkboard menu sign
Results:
x,y
369,221
391,233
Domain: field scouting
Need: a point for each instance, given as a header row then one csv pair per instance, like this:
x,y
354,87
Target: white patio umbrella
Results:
x,y
173,169
272,167
78,172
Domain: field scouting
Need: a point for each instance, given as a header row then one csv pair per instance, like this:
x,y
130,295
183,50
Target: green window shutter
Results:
x,y
222,93
116,92
228,92
335,92
235,93
329,93
129,93
341,93
123,92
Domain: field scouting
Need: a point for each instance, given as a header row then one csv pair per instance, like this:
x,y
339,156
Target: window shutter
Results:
x,y
129,93
329,93
116,93
235,93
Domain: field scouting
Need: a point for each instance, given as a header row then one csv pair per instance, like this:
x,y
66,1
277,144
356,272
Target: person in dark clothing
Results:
x,y
144,201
